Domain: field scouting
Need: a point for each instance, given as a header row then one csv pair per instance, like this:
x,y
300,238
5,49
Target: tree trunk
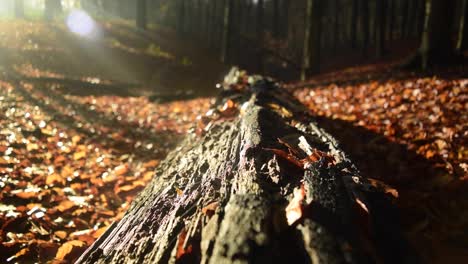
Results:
x,y
436,41
365,25
286,5
227,30
52,9
312,38
335,33
238,191
353,24
141,19
391,19
260,31
380,26
276,18
462,38
19,8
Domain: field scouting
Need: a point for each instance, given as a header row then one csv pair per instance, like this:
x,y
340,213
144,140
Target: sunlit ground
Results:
x,y
78,138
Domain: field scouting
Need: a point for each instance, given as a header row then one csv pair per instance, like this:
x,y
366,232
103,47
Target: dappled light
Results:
x,y
253,131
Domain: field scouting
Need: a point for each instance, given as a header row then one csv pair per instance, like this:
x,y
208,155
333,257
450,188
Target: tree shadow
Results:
x,y
102,129
430,199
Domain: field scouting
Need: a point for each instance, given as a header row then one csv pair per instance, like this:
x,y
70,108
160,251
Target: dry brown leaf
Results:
x,y
54,178
121,170
65,205
99,232
294,210
151,164
60,234
70,250
210,209
79,155
181,250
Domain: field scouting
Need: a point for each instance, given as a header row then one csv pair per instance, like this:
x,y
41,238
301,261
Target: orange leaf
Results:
x,y
180,245
210,209
100,231
79,155
294,210
287,157
121,170
65,205
70,250
151,164
60,234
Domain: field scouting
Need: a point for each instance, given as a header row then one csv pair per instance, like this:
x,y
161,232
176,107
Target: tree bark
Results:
x,y
462,38
141,17
436,42
237,191
19,8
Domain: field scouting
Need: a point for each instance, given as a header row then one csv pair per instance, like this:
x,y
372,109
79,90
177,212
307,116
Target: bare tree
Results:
x,y
19,8
52,9
141,16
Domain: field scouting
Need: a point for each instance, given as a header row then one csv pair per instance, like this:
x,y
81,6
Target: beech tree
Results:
x,y
52,9
19,8
141,19
436,45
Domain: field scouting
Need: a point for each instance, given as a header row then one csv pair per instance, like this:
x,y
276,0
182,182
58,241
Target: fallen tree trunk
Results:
x,y
256,181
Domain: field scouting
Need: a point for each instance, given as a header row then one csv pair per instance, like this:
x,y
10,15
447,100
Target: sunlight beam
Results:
x,y
79,22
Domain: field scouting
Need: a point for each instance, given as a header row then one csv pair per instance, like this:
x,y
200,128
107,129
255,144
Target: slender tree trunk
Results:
x,y
227,30
19,8
391,19
276,18
141,19
286,5
335,33
311,48
462,38
405,18
52,9
181,17
436,42
353,24
380,26
260,32
365,25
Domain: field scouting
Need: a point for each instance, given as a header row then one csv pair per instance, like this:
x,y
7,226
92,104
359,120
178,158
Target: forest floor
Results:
x,y
79,136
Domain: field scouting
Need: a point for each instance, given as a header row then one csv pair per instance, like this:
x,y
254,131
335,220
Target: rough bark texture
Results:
x,y
225,194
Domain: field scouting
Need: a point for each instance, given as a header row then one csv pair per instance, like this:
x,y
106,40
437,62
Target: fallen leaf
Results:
x,y
70,250
294,210
210,209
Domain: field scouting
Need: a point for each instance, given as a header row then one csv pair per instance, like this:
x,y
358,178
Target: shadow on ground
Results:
x,y
433,205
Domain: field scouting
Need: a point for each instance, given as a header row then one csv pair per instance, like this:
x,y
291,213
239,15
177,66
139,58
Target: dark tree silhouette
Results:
x,y
141,19
436,45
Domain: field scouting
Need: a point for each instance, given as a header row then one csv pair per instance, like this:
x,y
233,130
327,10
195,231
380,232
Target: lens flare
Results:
x,y
79,22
